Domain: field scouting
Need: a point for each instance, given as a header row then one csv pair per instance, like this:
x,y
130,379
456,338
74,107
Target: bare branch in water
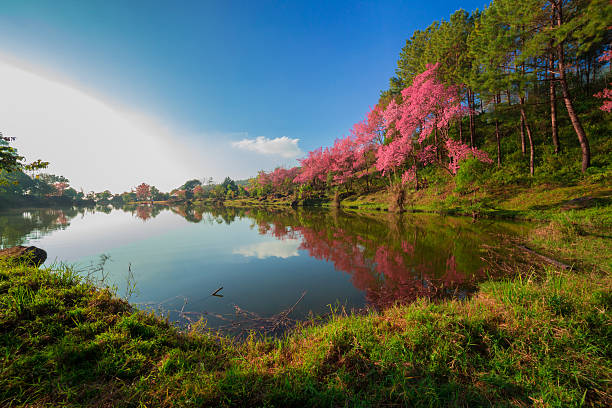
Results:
x,y
242,322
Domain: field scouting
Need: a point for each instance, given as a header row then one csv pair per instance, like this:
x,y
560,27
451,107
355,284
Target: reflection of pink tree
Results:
x,y
180,211
407,248
197,216
451,274
144,212
61,218
388,275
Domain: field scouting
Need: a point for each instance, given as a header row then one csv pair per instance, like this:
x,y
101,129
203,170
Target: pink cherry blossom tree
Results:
x,y
143,191
342,160
198,191
368,135
314,168
606,94
60,187
418,125
350,158
280,180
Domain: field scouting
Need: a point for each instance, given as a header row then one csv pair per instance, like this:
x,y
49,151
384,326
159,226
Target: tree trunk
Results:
x,y
531,148
498,143
582,137
497,137
416,173
436,139
336,201
460,131
522,134
397,195
587,63
472,120
553,107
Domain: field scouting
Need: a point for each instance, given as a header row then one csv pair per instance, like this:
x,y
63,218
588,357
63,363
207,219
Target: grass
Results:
x,y
576,241
253,202
535,340
588,203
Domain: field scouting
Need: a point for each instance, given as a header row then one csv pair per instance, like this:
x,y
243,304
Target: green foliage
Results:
x,y
10,160
19,189
52,178
470,175
304,190
157,195
190,184
229,185
560,305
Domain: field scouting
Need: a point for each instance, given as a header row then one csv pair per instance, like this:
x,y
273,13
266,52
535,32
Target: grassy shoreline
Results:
x,y
587,203
538,339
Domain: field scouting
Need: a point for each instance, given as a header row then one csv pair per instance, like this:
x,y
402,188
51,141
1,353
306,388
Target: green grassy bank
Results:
x,y
587,201
538,339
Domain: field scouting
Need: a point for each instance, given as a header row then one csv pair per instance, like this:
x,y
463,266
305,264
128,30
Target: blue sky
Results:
x,y
215,72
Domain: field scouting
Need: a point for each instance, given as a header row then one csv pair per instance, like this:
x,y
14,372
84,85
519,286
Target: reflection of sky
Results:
x,y
173,259
96,233
262,250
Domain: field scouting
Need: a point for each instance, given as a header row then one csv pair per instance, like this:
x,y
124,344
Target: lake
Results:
x,y
175,259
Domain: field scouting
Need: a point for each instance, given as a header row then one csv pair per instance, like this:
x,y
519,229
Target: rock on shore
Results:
x,y
31,255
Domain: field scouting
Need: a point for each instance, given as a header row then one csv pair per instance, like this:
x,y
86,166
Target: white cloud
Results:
x,y
280,146
279,249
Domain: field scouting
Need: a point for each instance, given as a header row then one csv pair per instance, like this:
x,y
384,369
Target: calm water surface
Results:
x,y
264,259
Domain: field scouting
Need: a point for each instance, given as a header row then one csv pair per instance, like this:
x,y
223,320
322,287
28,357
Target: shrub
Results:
x,y
470,175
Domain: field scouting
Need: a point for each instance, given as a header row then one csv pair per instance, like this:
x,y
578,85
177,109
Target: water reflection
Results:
x,y
143,212
389,258
262,250
17,227
392,258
